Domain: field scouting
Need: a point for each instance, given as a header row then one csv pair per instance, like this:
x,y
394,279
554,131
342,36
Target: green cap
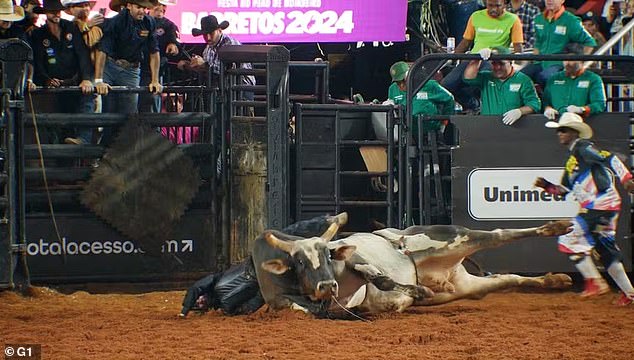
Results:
x,y
398,71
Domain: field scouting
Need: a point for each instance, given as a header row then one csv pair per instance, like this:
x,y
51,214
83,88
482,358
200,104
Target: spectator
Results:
x,y
9,15
590,175
432,99
125,37
574,90
527,13
90,31
89,28
212,31
504,91
167,37
617,15
30,18
486,28
555,30
591,24
61,58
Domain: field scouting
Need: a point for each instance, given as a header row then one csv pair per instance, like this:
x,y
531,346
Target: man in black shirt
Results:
x,y
125,38
61,58
167,37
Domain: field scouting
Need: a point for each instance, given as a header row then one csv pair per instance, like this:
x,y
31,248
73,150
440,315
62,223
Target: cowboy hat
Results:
x,y
49,6
10,12
209,24
116,5
572,121
69,3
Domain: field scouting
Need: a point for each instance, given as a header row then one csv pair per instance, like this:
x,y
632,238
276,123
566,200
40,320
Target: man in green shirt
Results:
x,y
432,99
504,91
574,90
555,29
487,28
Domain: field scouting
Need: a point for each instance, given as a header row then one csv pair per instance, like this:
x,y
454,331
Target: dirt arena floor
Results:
x,y
146,326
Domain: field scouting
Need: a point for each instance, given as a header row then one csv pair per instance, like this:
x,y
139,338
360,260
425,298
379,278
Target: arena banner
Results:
x,y
294,21
493,170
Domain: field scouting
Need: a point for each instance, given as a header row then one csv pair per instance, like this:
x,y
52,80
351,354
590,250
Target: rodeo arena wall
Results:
x,y
177,195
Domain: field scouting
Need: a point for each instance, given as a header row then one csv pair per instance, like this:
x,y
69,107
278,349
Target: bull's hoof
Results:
x,y
555,228
557,281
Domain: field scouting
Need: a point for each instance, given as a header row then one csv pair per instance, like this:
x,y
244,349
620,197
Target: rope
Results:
x,y
48,193
350,312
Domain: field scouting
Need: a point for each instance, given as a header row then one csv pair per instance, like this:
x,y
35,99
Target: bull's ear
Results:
x,y
343,252
331,232
275,266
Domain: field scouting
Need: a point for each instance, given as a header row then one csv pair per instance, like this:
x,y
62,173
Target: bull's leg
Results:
x,y
466,242
498,237
470,286
385,283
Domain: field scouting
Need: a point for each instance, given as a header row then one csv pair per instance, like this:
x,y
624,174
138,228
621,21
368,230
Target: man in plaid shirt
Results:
x,y
215,39
527,13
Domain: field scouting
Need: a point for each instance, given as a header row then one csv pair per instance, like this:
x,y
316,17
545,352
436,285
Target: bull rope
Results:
x,y
350,312
46,187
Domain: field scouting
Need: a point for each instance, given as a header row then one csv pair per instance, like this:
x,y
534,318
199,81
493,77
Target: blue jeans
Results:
x,y
115,75
539,74
122,103
464,94
86,106
148,102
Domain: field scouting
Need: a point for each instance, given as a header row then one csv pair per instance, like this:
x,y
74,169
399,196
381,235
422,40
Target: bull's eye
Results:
x,y
300,262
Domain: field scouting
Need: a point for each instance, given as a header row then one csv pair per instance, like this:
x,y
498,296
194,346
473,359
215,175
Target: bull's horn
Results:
x,y
341,219
331,232
278,243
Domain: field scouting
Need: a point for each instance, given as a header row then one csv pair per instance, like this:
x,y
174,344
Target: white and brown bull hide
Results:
x,y
431,257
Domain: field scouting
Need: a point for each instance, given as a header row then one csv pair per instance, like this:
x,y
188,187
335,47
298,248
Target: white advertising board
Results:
x,y
509,194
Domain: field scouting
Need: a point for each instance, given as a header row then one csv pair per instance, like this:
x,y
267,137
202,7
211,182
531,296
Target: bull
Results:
x,y
388,270
431,257
302,273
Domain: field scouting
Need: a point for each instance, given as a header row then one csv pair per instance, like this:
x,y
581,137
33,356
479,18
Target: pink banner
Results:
x,y
280,21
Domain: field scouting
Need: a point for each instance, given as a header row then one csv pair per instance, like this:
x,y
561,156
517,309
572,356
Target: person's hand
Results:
x,y
197,61
95,20
575,109
171,49
511,116
86,87
30,85
102,87
550,113
155,87
629,186
53,82
485,53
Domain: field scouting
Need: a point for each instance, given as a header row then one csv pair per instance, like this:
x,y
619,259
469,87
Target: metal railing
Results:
x,y
622,43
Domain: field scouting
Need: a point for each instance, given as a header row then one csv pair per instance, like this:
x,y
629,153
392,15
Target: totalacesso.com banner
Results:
x,y
279,21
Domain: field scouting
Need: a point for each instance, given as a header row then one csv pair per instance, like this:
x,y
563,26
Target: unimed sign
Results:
x,y
509,194
280,21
